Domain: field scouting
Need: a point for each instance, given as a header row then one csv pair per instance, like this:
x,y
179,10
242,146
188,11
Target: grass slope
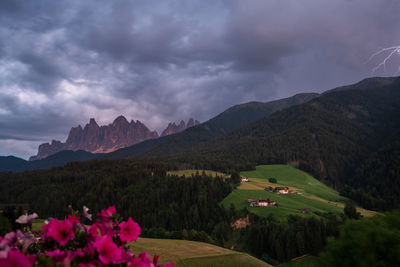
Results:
x,y
190,253
309,261
188,173
311,193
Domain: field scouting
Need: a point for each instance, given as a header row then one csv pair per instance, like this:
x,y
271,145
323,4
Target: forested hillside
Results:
x,y
166,206
231,119
330,137
138,189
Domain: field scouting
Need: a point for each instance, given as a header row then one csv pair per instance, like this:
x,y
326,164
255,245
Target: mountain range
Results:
x,y
104,139
347,137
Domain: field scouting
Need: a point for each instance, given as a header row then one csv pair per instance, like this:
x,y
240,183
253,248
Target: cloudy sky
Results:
x,y
63,62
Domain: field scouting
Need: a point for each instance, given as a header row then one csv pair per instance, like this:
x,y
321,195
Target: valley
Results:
x,y
333,158
201,133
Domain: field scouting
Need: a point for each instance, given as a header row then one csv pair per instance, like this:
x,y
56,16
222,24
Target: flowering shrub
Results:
x,y
70,242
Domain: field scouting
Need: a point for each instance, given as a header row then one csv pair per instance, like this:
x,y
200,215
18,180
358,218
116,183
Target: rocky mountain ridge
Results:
x,y
107,138
172,128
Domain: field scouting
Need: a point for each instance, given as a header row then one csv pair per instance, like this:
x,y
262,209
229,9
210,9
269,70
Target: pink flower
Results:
x,y
108,250
16,259
142,261
9,240
94,231
57,254
85,213
65,257
86,265
73,219
71,255
130,230
27,219
12,239
89,249
108,213
62,231
128,255
4,252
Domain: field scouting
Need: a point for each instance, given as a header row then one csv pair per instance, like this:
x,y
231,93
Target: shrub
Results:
x,y
272,180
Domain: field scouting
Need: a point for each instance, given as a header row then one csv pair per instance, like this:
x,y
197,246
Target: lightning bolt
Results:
x,y
392,51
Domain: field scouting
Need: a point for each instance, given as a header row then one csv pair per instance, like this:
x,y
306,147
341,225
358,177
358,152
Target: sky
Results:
x,y
63,62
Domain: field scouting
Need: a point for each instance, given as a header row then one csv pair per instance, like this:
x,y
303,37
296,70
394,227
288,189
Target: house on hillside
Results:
x,y
305,210
269,189
281,190
244,179
262,202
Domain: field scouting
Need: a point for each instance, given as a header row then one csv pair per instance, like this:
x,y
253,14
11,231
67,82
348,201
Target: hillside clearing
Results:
x,y
309,193
188,173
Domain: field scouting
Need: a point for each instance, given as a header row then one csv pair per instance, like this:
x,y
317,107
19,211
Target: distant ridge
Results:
x,y
108,138
229,120
172,128
13,164
202,137
99,139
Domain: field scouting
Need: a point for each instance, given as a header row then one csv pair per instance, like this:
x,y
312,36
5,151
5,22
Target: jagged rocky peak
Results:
x,y
120,120
93,123
96,139
172,128
191,122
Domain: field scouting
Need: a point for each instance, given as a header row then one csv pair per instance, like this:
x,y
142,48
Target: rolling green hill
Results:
x,y
191,254
310,193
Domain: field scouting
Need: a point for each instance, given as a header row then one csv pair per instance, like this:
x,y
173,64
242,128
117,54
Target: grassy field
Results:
x,y
190,253
37,225
310,193
189,173
309,261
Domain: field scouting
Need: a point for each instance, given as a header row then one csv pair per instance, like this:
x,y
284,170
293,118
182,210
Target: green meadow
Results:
x,y
191,253
188,173
309,261
309,193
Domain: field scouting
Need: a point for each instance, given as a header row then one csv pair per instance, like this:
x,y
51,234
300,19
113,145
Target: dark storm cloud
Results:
x,y
62,62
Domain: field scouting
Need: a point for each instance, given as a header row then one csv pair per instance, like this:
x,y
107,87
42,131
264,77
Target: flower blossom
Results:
x,y
108,250
27,219
107,214
130,230
90,246
62,231
57,254
94,231
16,258
11,239
143,260
85,213
73,219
